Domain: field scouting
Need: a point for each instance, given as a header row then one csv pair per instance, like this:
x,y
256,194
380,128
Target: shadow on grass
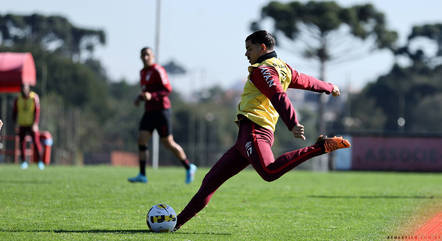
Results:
x,y
372,197
118,231
206,233
122,231
24,182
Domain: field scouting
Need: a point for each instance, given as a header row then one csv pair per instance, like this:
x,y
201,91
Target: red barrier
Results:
x,y
397,153
121,158
46,144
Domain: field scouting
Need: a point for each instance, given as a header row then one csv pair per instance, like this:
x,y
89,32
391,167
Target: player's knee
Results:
x,y
143,137
267,176
143,147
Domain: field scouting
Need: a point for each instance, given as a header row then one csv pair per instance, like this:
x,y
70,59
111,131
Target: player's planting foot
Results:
x,y
139,178
41,165
190,174
332,143
24,165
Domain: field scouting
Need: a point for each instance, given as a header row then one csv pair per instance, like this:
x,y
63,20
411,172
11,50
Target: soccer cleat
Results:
x,y
190,174
139,178
24,165
41,165
332,143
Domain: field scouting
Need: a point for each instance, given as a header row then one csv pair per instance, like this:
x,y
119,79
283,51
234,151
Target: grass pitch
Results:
x,y
97,203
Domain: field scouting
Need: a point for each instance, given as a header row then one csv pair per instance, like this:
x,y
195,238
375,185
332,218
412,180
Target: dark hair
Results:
x,y
143,49
262,37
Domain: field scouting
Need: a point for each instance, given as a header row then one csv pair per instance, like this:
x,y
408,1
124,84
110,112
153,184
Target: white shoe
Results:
x,y
41,165
24,165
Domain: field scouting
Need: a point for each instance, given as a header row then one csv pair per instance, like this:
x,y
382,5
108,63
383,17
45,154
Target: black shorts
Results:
x,y
159,120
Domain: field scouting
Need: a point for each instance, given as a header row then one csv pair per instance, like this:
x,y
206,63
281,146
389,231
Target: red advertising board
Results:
x,y
397,153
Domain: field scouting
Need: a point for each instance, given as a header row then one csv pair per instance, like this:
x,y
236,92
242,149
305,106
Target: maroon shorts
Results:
x,y
159,120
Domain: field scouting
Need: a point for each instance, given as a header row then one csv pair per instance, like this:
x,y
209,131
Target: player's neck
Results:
x,y
149,65
267,55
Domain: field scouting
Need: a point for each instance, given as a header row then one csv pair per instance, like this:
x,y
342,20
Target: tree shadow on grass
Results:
x,y
373,197
116,231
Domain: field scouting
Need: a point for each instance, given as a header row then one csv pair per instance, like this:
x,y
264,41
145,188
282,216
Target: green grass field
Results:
x,y
97,203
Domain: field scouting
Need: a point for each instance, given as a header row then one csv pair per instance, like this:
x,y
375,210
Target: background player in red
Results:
x,y
26,114
155,89
264,99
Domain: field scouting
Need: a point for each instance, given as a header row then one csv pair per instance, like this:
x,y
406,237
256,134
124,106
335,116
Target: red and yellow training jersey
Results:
x,y
26,110
254,104
264,98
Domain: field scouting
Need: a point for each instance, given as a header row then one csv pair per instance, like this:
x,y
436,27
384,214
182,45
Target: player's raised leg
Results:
x,y
270,170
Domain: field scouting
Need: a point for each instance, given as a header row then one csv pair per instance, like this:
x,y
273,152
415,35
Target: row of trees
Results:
x,y
328,33
86,111
408,98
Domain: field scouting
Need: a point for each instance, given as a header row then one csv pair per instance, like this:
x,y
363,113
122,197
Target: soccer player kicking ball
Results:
x,y
155,89
264,99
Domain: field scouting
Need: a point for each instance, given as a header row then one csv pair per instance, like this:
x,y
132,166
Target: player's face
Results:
x,y
147,57
254,51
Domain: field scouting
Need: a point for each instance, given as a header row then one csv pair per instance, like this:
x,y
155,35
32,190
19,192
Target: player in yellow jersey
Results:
x,y
26,115
264,99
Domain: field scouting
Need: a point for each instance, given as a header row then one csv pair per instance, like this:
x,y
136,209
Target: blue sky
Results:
x,y
207,37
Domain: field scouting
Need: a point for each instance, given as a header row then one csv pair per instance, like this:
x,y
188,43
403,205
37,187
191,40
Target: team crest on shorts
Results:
x,y
249,149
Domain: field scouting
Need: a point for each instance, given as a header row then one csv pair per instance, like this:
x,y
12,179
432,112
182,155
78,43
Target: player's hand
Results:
x,y
298,131
34,127
1,124
146,96
336,91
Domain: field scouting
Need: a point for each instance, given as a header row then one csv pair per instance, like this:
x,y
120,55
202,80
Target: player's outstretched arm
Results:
x,y
307,82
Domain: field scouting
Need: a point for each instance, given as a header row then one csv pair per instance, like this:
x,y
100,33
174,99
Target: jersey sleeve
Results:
x,y
307,82
266,79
